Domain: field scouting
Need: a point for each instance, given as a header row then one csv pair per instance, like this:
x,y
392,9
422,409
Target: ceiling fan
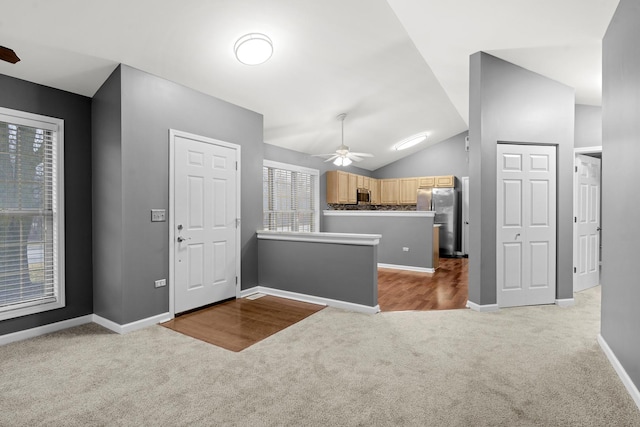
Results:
x,y
343,156
8,55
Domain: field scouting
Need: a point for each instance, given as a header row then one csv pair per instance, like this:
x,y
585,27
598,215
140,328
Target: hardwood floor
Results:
x,y
447,288
238,324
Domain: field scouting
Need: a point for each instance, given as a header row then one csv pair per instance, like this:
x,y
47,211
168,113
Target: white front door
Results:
x,y
205,187
526,225
587,223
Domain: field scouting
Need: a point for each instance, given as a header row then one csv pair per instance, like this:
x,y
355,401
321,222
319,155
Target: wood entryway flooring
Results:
x,y
240,323
447,288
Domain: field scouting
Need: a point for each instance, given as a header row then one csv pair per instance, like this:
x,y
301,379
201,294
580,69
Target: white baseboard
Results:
x,y
312,299
133,326
626,380
566,302
45,329
247,292
482,308
407,267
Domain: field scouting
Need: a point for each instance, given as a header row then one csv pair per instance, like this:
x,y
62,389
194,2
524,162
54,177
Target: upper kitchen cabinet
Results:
x,y
445,181
363,182
374,187
389,191
427,181
341,187
408,191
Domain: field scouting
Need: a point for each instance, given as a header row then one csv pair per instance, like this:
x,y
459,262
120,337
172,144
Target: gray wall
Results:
x,y
341,272
415,233
283,155
150,106
444,158
75,110
621,146
510,104
588,129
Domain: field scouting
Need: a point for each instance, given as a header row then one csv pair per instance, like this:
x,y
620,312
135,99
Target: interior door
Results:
x,y
526,225
205,209
587,223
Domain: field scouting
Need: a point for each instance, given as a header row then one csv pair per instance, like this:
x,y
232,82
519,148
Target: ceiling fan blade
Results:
x,y
323,155
362,154
335,156
354,158
8,55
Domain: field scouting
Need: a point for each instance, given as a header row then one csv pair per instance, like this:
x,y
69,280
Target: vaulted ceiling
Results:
x,y
397,67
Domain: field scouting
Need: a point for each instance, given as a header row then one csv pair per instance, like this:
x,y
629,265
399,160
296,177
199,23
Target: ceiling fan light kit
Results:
x,y
343,156
411,141
253,49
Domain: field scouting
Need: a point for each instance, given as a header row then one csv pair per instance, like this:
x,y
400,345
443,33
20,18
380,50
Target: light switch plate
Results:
x,y
158,215
160,283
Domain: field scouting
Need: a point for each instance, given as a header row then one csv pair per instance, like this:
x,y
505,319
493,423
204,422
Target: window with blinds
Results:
x,y
31,220
290,197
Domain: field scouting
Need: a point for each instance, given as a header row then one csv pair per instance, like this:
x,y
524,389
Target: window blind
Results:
x,y
289,199
28,215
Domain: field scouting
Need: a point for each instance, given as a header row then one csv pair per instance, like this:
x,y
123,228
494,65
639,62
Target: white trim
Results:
x,y
380,213
312,299
172,135
45,329
308,171
582,150
486,308
407,267
133,326
339,238
622,373
565,302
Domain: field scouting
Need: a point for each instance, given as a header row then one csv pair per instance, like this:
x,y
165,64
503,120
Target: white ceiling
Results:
x,y
397,67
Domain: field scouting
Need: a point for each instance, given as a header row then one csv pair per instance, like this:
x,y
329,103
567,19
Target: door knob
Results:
x,y
182,239
517,235
598,229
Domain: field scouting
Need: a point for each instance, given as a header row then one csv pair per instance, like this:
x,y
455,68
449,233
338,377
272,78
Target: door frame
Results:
x,y
172,235
581,150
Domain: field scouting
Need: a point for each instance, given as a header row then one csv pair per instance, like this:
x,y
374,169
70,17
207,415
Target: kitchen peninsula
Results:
x,y
407,236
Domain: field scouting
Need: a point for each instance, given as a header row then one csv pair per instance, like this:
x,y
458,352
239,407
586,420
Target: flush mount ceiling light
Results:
x,y
411,141
253,49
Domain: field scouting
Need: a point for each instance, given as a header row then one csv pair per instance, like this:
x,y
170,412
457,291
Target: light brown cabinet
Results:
x,y
426,181
341,187
389,191
408,191
374,187
444,181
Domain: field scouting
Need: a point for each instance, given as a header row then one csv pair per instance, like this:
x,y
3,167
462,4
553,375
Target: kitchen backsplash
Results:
x,y
337,207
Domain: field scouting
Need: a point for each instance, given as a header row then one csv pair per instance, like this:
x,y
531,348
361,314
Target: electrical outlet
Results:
x,y
405,249
160,283
158,215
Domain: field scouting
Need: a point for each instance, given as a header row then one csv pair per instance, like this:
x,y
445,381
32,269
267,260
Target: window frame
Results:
x,y
55,125
300,169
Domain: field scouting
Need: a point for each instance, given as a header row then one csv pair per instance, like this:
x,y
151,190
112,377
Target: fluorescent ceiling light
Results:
x,y
411,141
253,49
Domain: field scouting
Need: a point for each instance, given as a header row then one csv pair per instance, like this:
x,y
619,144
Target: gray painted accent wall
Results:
x,y
75,110
415,233
336,271
588,131
150,106
292,157
444,158
511,104
621,148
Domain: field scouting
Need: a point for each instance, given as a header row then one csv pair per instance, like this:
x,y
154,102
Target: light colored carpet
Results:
x,y
515,367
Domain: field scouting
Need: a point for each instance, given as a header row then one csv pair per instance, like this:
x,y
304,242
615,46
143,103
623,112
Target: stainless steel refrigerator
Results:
x,y
444,201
